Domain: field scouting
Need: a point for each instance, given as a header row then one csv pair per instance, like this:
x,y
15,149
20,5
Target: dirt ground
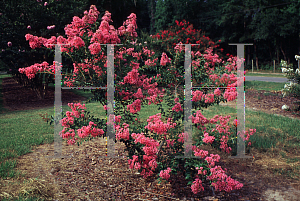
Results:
x,y
83,173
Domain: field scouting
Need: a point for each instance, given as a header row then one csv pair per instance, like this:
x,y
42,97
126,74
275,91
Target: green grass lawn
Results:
x,y
267,86
265,74
21,130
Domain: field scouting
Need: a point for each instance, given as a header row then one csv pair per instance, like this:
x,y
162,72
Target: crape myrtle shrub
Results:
x,y
36,17
152,145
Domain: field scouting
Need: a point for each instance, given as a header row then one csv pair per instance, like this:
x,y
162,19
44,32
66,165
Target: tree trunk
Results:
x,y
277,53
282,51
270,51
255,52
256,62
152,16
248,57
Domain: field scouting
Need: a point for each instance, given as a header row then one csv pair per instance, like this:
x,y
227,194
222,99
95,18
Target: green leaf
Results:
x,y
188,177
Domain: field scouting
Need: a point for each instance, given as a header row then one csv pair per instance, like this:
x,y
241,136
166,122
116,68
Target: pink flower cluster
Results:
x,y
179,48
222,181
51,27
165,174
218,177
197,96
131,26
197,186
76,28
135,106
217,92
82,132
132,77
247,134
208,139
232,64
164,59
33,69
155,124
177,106
139,94
230,93
149,163
209,98
183,137
88,130
91,16
154,95
201,171
105,34
86,67
212,159
122,133
151,63
210,57
223,127
199,118
74,31
149,53
34,41
214,77
199,152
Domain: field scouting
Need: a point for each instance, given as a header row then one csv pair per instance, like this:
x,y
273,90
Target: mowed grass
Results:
x,y
23,130
265,74
267,86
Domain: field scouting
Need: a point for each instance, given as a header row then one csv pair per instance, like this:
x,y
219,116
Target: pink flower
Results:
x,y
221,181
199,119
9,44
217,92
208,139
71,141
197,96
28,27
200,152
139,94
45,4
50,27
118,118
94,48
165,174
230,94
177,107
135,106
122,133
197,186
155,124
209,98
164,59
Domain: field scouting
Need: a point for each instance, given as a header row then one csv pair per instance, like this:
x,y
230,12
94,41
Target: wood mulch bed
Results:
x,y
84,174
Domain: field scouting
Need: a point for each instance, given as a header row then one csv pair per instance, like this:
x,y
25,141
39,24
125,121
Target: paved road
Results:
x,y
266,79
